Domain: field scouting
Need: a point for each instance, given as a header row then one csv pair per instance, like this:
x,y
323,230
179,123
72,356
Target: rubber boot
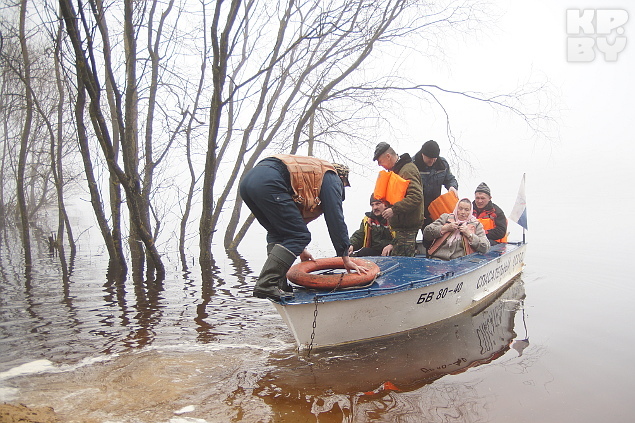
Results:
x,y
285,285
273,276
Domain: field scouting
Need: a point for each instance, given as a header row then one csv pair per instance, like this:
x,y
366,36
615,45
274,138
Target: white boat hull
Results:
x,y
325,323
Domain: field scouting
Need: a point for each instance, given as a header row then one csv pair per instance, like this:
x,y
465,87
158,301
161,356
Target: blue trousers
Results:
x,y
267,192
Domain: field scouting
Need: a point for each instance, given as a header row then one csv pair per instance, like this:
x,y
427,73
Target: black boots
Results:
x,y
272,282
285,285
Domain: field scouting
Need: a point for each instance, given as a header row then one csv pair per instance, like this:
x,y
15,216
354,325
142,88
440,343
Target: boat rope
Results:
x,y
315,313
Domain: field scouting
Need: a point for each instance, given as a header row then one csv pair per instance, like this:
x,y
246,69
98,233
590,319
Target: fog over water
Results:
x,y
186,351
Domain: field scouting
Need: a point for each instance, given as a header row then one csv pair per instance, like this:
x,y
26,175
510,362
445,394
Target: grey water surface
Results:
x,y
555,346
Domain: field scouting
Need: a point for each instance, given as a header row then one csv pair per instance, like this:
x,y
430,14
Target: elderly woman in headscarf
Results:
x,y
457,234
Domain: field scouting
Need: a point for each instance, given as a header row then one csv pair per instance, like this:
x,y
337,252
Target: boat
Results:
x,y
408,293
407,360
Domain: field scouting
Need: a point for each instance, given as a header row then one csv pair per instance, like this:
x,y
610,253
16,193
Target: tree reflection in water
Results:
x,y
126,349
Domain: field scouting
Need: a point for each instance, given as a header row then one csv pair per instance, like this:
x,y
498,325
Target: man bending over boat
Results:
x,y
406,215
374,237
285,192
457,234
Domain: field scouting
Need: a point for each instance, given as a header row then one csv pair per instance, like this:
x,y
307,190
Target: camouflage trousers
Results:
x,y
404,243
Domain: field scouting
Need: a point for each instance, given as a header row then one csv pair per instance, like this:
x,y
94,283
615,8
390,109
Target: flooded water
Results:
x,y
179,351
555,346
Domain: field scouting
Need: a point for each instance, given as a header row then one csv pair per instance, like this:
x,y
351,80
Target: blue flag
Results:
x,y
519,212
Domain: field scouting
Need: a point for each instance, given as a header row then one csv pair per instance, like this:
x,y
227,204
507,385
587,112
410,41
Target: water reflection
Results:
x,y
103,313
205,329
210,344
384,380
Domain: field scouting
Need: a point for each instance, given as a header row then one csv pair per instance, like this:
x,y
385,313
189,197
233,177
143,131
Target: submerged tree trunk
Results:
x,y
188,148
220,46
5,145
24,141
114,186
130,144
117,264
129,178
56,157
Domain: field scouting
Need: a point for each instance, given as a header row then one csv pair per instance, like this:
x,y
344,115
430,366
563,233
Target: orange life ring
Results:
x,y
300,274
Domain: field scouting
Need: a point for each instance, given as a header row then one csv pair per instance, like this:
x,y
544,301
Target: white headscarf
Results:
x,y
456,235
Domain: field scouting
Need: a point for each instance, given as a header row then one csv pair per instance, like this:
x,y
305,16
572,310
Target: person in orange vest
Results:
x,y
406,215
490,215
374,237
285,192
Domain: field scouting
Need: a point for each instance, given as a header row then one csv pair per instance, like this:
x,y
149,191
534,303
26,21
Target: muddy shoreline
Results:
x,y
14,413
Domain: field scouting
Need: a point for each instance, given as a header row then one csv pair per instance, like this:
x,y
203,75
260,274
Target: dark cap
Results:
x,y
482,187
430,149
381,148
373,199
342,172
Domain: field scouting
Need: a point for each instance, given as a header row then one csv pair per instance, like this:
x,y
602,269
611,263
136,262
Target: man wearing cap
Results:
x,y
406,215
285,192
490,215
374,237
435,173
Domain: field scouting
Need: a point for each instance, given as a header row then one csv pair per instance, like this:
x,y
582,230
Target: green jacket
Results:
x,y
409,211
373,233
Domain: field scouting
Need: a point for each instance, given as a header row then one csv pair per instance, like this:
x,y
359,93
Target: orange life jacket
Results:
x,y
488,224
306,174
443,204
390,187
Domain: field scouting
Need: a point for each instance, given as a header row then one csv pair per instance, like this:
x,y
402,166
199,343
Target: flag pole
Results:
x,y
519,212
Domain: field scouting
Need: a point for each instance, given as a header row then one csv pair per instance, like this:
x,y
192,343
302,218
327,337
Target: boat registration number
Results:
x,y
426,297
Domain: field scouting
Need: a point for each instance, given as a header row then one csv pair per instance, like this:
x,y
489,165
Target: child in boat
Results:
x,y
457,234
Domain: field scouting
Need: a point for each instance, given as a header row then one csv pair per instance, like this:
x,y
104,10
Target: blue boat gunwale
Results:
x,y
393,268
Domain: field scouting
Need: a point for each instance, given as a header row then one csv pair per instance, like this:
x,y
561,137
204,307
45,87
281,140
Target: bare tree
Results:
x,y
221,37
57,153
128,176
44,175
26,130
114,187
5,142
188,144
317,47
318,104
286,76
117,264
